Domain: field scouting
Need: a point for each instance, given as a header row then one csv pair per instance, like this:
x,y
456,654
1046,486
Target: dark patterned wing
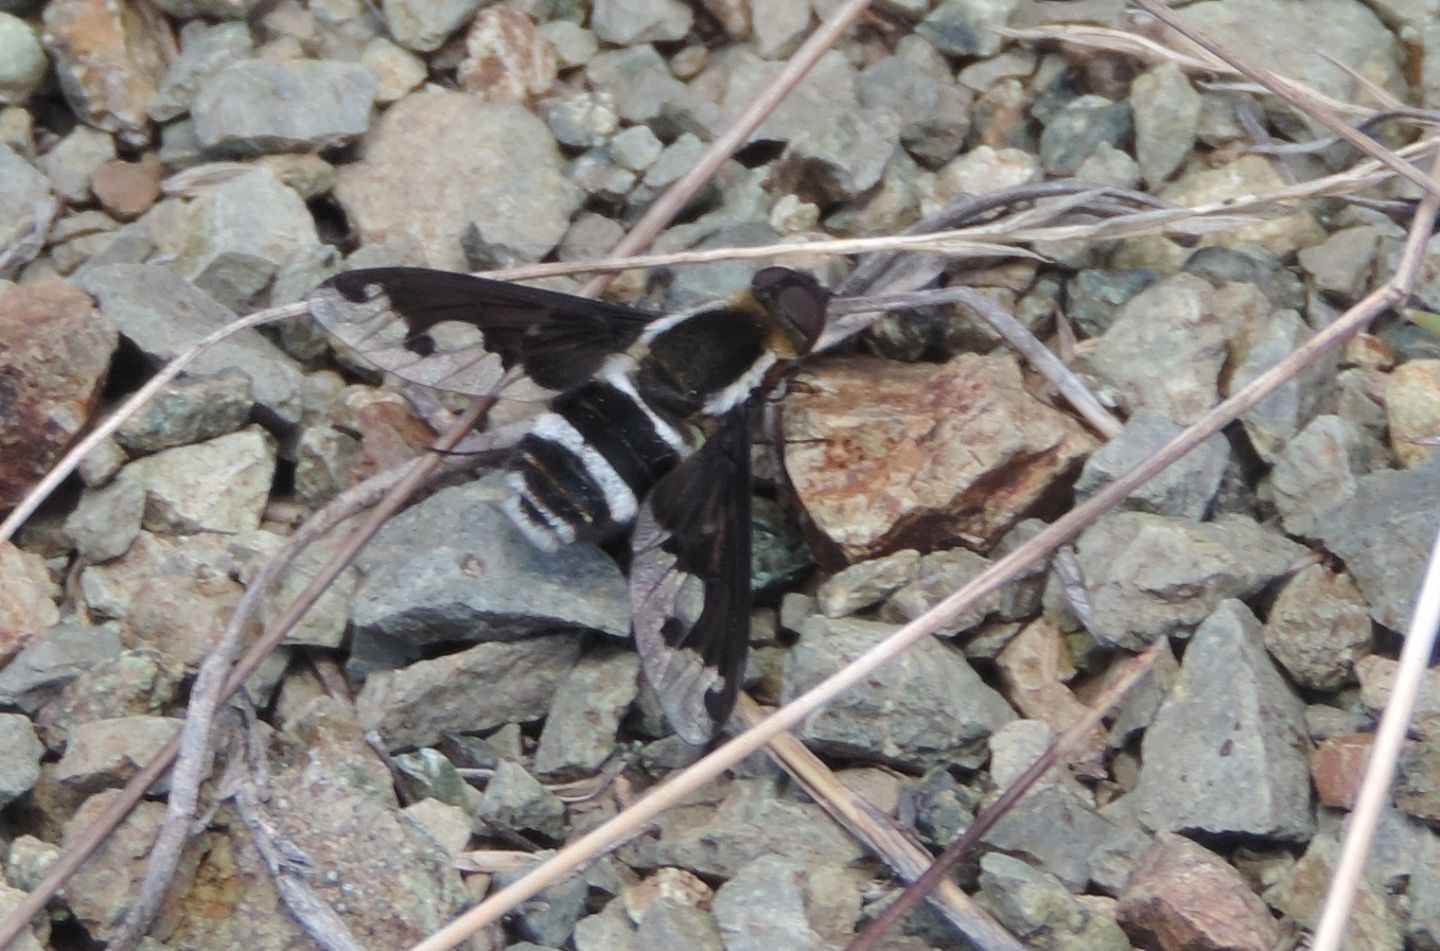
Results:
x,y
690,581
461,333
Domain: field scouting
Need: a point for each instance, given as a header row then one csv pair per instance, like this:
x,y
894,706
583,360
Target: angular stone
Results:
x,y
926,707
883,456
785,902
454,569
1184,490
1040,911
1316,472
110,62
20,752
1232,722
579,733
1167,117
1150,576
163,316
466,692
465,187
1318,627
106,753
1181,895
216,486
257,106
54,355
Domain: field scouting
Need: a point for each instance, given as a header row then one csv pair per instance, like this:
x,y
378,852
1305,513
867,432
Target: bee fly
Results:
x,y
620,445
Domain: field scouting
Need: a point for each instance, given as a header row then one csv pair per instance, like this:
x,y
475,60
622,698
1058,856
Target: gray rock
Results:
x,y
1166,346
106,521
1108,165
638,82
70,164
217,486
455,569
573,44
1317,471
926,707
174,593
786,902
581,119
1231,723
22,60
324,623
866,583
1250,265
20,752
465,186
1383,533
397,71
423,25
752,821
1041,912
579,733
1278,417
782,27
238,236
105,753
636,148
189,410
470,691
138,682
675,924
1167,119
516,801
628,22
939,575
164,316
915,83
1344,262
54,658
1077,130
966,27
1373,921
258,106
1091,841
204,51
22,189
449,825
1184,490
1150,576
1093,296
1284,34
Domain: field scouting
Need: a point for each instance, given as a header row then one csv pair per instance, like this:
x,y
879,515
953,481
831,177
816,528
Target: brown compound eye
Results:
x,y
794,298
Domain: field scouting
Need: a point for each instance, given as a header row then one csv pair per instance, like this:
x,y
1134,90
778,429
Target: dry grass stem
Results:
x,y
907,859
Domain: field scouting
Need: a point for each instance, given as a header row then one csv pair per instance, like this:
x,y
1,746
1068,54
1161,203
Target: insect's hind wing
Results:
x,y
460,333
690,581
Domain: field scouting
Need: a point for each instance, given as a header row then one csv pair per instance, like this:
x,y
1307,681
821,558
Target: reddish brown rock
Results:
x,y
127,189
1337,765
1183,897
887,456
110,60
26,606
54,352
506,58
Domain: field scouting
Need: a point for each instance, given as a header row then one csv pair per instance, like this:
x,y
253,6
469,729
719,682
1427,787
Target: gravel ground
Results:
x,y
460,703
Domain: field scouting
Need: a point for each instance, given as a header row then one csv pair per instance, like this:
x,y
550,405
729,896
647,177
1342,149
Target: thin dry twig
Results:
x,y
130,407
1414,660
908,860
1080,733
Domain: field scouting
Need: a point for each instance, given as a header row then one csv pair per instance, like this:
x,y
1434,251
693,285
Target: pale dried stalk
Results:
x,y
908,860
1414,661
130,407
